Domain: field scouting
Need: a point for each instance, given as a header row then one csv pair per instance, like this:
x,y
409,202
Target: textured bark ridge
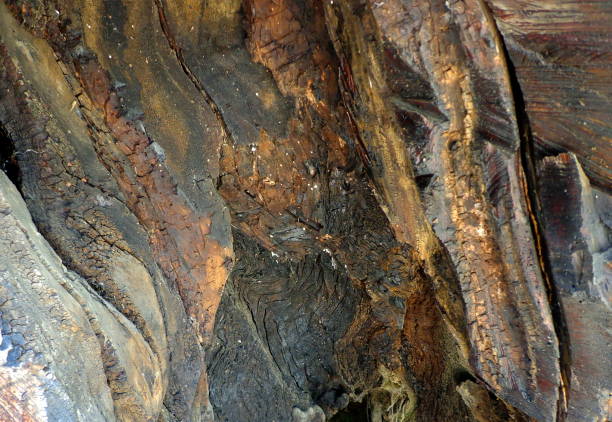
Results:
x,y
305,210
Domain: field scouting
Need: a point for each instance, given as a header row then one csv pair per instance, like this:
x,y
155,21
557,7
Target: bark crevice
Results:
x,y
527,155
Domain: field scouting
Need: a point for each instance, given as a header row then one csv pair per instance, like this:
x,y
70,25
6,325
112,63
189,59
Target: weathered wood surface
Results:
x,y
579,253
300,210
561,55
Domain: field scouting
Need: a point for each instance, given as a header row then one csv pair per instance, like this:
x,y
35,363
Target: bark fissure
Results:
x,y
8,159
531,197
192,77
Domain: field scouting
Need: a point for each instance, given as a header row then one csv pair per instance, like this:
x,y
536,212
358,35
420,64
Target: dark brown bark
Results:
x,y
305,210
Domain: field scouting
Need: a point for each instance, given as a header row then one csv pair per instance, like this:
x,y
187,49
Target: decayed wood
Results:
x,y
479,210
306,210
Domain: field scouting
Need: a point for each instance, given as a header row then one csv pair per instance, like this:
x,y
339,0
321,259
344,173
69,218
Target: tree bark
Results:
x,y
305,210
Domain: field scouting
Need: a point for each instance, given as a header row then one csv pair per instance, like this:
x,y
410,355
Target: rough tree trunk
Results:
x,y
305,210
